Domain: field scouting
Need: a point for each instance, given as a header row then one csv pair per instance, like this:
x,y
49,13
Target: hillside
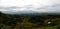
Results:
x,y
25,21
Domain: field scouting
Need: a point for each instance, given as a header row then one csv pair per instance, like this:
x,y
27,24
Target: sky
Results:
x,y
30,5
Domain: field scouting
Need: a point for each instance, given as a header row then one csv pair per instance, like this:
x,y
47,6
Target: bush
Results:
x,y
58,27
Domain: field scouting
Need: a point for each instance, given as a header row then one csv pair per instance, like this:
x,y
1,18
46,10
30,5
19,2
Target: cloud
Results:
x,y
9,6
7,9
20,3
52,8
29,8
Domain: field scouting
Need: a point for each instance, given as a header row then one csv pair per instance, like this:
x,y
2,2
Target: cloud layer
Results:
x,y
28,2
9,6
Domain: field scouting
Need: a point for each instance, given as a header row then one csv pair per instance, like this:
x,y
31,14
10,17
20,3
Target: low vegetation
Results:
x,y
8,21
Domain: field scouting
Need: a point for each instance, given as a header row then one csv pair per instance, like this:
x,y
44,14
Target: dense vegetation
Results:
x,y
8,21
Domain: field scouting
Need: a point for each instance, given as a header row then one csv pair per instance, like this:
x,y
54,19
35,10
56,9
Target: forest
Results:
x,y
9,21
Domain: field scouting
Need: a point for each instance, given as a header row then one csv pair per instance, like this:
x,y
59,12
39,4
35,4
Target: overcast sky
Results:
x,y
30,5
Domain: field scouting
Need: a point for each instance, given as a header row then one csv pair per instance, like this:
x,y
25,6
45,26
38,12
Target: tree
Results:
x,y
0,13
